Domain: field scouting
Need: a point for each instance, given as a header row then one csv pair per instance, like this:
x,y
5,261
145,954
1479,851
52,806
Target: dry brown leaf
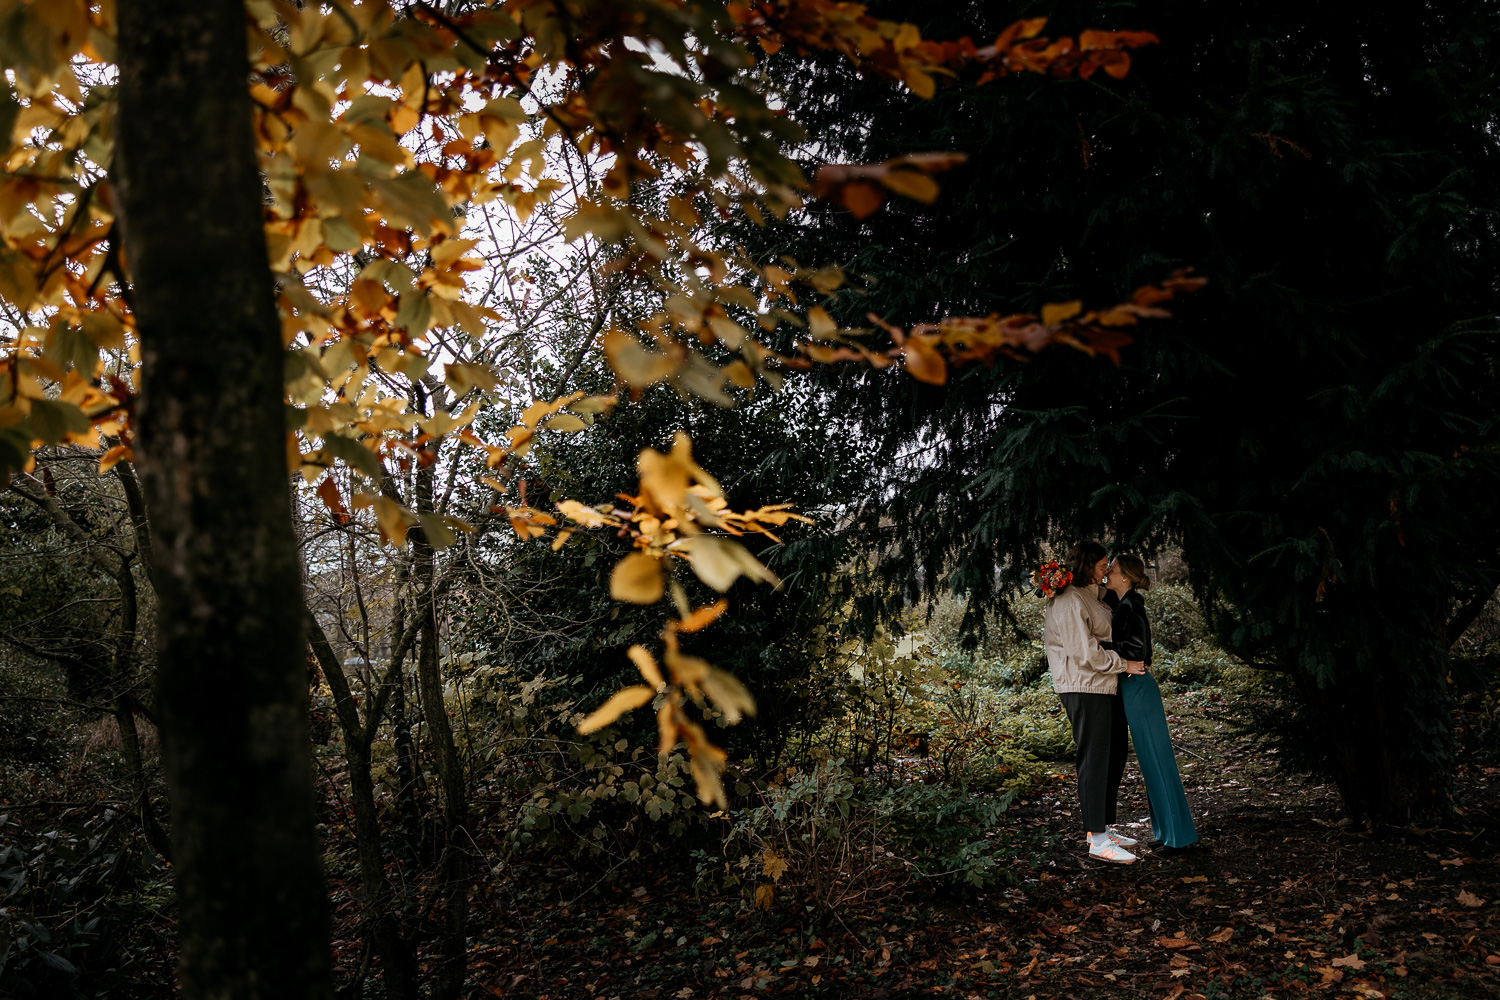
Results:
x,y
1467,898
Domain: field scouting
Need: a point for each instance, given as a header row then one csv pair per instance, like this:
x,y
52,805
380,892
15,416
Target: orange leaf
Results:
x,y
703,617
923,361
119,453
861,198
328,492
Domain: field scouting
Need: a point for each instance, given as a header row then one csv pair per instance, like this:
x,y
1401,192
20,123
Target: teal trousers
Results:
x,y
1171,822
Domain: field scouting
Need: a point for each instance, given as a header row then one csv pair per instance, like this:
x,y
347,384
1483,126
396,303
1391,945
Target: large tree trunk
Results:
x,y
1387,739
253,917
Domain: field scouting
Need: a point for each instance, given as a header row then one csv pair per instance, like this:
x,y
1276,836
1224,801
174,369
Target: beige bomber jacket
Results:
x,y
1075,624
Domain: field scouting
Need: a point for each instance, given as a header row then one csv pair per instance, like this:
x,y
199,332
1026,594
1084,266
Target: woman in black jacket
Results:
x,y
1171,821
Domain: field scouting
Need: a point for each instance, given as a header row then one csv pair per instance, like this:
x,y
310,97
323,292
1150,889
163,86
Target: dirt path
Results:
x,y
1279,901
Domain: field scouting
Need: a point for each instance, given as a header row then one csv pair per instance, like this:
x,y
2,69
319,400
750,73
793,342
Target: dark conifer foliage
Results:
x,y
1316,429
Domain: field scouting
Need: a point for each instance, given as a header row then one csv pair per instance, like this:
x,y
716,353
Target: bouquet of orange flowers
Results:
x,y
1050,577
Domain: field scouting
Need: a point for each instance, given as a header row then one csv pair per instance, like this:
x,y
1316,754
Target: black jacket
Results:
x,y
1130,634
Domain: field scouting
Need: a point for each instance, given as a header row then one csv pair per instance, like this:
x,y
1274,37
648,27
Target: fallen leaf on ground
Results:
x,y
1349,962
1467,898
1221,936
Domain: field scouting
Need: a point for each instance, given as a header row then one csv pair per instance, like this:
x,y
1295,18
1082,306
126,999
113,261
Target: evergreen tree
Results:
x,y
1316,429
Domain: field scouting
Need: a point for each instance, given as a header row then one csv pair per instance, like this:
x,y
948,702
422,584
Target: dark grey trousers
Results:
x,y
1099,729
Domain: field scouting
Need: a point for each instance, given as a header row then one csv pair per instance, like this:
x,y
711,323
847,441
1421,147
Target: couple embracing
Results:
x,y
1098,654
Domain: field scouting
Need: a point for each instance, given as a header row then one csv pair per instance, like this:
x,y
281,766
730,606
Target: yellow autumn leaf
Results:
x,y
920,83
819,324
392,519
765,895
719,562
738,373
911,183
728,695
566,423
636,579
463,376
583,514
1056,312
618,704
637,366
646,664
773,865
594,404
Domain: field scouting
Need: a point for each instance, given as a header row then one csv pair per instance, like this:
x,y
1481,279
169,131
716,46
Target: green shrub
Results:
x,y
982,757
1197,662
942,831
72,892
1175,619
824,836
1034,718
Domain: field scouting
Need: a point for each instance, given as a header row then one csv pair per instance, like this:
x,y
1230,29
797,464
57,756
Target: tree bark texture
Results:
x,y
1387,739
253,913
397,957
455,844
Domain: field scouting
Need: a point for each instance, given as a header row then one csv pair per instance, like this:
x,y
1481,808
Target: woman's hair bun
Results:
x,y
1134,570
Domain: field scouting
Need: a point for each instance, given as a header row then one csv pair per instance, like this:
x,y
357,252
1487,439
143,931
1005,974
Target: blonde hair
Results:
x,y
1134,570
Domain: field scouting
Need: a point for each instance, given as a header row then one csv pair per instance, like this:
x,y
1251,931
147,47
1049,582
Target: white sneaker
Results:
x,y
1113,853
1121,839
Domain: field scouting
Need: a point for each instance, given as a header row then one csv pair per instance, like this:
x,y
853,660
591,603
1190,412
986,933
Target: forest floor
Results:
x,y
1281,899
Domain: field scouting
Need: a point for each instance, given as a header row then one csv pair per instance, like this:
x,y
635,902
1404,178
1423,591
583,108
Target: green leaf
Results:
x,y
69,345
355,455
439,535
414,313
412,201
51,419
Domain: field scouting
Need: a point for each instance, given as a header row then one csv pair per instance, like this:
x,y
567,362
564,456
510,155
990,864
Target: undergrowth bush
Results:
x,y
1034,717
70,892
1175,619
826,838
1197,662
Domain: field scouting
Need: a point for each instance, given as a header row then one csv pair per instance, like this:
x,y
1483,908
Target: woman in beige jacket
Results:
x,y
1086,677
